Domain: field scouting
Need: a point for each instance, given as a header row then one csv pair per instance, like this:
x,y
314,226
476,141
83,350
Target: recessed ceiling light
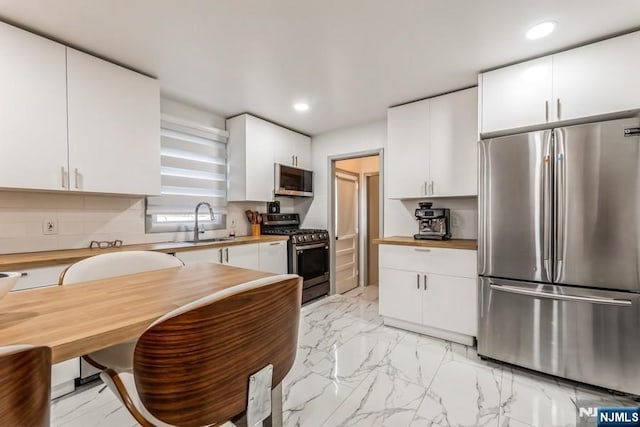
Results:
x,y
301,106
540,30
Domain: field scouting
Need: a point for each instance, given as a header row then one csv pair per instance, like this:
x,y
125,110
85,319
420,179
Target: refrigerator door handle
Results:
x,y
560,297
560,200
546,204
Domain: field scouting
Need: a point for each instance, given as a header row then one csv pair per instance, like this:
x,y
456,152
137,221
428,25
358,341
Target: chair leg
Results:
x,y
275,420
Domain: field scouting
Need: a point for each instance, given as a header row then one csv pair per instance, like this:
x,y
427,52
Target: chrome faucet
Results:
x,y
196,231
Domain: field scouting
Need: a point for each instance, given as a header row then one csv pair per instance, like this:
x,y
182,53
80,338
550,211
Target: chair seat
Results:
x,y
118,357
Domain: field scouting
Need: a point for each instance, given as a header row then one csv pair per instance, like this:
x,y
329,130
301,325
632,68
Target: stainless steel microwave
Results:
x,y
290,181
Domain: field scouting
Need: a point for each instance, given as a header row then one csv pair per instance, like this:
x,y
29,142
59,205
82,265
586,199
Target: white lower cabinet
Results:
x,y
273,257
63,374
268,256
433,297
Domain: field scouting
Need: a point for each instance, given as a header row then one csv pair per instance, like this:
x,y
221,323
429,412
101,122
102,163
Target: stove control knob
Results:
x,y
306,237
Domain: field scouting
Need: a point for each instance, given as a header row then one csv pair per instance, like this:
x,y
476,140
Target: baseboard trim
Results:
x,y
431,331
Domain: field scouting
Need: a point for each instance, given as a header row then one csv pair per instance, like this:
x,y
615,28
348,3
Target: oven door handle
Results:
x,y
300,248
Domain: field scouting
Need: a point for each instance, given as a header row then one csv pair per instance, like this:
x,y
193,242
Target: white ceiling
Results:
x,y
350,59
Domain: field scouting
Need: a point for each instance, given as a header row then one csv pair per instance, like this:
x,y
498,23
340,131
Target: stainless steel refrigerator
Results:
x,y
559,252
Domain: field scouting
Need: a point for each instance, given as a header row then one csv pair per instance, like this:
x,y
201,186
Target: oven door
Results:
x,y
311,262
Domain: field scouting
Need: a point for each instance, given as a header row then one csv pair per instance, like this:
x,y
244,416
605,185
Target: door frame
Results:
x,y
331,167
364,216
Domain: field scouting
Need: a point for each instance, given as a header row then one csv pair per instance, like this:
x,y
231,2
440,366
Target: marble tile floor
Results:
x,y
351,370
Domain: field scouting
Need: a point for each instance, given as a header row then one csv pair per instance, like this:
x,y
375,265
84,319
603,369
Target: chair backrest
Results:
x,y
25,385
117,264
192,366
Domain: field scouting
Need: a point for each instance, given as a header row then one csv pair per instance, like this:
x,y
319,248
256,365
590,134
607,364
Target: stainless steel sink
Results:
x,y
213,239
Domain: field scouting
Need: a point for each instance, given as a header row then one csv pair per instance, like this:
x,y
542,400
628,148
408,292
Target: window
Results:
x,y
193,169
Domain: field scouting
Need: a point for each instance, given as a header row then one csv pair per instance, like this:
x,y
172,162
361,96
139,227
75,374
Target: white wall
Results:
x,y
370,136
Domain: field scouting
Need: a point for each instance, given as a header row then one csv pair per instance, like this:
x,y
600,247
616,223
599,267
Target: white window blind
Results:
x,y
193,170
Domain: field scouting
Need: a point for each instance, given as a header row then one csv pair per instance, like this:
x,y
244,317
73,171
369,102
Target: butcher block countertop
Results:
x,y
68,256
469,244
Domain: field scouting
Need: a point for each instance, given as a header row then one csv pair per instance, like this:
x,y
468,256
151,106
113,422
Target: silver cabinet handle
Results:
x,y
425,282
546,111
274,244
220,253
77,176
226,255
561,297
425,188
64,174
293,160
558,108
431,187
417,281
422,250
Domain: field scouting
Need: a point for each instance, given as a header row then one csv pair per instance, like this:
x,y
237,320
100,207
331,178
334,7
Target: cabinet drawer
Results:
x,y
201,255
448,262
39,277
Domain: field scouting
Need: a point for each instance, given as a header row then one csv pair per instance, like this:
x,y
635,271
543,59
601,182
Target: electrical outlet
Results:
x,y
455,220
49,226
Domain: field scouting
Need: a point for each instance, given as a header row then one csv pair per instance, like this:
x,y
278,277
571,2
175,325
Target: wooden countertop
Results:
x,y
77,319
469,244
68,256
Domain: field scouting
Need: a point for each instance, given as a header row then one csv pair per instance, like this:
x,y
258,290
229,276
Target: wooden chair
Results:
x,y
110,265
192,367
25,386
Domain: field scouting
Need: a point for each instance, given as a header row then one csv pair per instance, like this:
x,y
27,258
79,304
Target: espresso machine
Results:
x,y
433,223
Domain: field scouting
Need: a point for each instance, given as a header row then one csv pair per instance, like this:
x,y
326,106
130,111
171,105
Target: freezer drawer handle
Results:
x,y
592,300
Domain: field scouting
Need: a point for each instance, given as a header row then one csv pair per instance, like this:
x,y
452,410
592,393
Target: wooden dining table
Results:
x,y
80,318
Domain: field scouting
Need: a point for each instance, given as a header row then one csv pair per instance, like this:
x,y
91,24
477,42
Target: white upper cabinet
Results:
x,y
254,146
408,150
293,149
33,107
517,96
432,147
600,78
114,127
453,156
250,158
71,121
596,79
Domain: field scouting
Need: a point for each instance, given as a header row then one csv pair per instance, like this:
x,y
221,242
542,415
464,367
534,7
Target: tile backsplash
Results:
x,y
81,218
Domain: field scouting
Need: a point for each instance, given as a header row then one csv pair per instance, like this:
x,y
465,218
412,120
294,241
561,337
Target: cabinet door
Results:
x,y
33,107
596,79
401,295
243,256
450,303
214,255
292,148
517,96
408,150
114,127
273,257
261,139
453,159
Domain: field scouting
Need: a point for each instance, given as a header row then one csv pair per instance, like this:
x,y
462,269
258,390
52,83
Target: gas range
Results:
x,y
300,235
288,225
307,249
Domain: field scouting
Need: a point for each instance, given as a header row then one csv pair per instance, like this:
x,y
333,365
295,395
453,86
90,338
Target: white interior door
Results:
x,y
346,246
